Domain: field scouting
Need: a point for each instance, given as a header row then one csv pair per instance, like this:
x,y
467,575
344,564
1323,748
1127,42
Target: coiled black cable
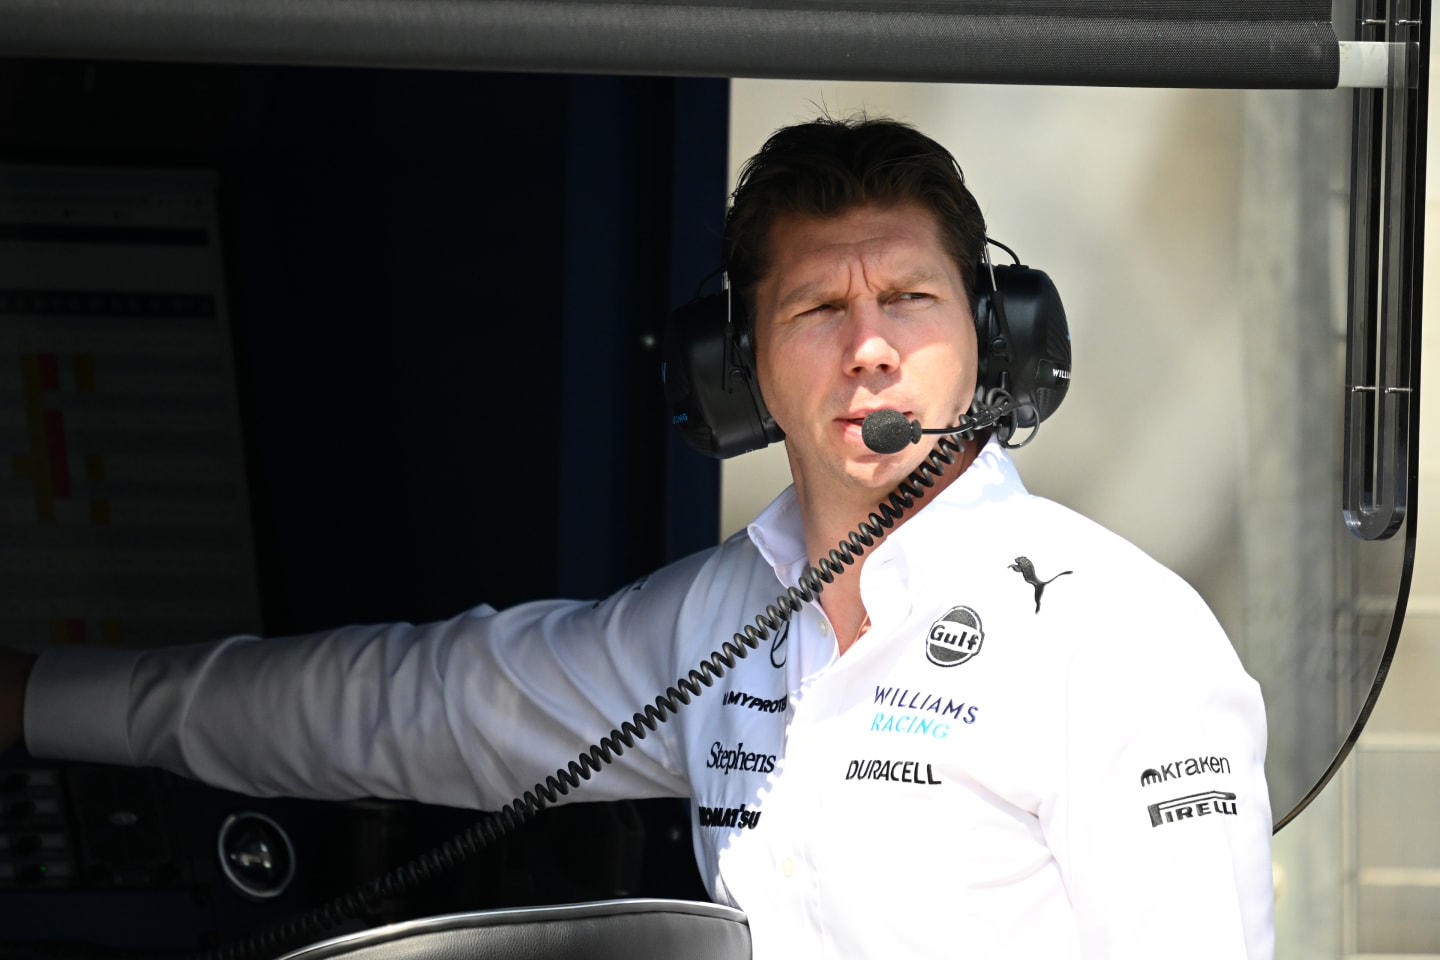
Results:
x,y
302,928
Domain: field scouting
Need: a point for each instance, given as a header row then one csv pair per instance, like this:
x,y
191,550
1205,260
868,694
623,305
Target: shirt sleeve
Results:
x,y
1162,824
469,712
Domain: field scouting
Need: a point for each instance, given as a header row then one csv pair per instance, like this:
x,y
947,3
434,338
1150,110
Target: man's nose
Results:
x,y
870,347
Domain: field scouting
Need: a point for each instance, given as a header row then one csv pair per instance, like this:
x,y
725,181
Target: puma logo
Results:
x,y
1026,569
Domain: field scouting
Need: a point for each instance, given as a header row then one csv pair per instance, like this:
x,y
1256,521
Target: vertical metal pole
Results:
x,y
1386,227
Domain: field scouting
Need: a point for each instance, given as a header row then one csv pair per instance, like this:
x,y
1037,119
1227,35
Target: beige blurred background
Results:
x,y
1167,219
1129,199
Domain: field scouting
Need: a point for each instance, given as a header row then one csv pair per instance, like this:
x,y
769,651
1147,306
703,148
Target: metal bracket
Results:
x,y
1387,223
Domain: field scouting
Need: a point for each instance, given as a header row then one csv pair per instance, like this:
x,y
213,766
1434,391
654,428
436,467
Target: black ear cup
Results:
x,y
714,396
708,369
1024,343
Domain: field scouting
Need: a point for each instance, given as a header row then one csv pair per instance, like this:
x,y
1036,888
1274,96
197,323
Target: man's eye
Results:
x,y
913,296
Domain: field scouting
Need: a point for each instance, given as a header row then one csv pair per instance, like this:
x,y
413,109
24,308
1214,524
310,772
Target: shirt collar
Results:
x,y
779,534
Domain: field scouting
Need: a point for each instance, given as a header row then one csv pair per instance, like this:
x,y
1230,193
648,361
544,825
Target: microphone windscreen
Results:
x,y
887,431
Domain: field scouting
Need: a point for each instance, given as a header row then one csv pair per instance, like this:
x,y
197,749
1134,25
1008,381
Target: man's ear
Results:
x,y
1023,339
711,384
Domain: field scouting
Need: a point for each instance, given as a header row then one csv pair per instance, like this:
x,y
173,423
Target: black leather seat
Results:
x,y
610,930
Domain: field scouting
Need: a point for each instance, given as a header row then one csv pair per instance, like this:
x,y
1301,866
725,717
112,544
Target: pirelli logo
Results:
x,y
1188,808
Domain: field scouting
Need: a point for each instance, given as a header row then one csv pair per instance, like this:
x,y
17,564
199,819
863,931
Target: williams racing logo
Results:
x,y
1191,807
954,638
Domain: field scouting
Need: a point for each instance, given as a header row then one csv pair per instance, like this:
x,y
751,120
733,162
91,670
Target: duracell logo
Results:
x,y
893,771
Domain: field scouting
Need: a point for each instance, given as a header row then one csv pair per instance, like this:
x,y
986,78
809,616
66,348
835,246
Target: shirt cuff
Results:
x,y
77,704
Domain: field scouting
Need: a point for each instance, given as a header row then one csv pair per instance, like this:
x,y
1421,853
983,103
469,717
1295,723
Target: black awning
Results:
x,y
1151,43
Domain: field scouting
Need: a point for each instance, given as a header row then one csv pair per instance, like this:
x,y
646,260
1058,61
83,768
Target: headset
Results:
x,y
708,361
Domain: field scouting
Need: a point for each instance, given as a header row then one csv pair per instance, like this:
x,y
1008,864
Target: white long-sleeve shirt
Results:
x,y
1044,746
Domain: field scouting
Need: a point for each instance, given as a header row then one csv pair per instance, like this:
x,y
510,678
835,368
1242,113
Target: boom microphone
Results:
x,y
887,431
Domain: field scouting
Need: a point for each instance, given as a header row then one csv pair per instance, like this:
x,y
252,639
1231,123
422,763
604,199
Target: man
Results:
x,y
1002,733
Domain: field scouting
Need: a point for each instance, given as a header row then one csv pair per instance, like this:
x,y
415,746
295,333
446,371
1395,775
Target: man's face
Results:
x,y
858,313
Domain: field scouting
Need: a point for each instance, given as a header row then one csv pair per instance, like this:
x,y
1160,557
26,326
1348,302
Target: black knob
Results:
x,y
255,855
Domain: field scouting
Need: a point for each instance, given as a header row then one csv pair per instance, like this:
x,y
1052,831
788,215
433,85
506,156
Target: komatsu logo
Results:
x,y
1188,808
729,817
954,638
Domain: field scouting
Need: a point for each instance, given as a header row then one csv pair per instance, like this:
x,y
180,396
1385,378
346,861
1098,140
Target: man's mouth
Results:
x,y
861,417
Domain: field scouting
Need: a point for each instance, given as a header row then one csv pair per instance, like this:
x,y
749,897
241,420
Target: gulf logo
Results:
x,y
955,638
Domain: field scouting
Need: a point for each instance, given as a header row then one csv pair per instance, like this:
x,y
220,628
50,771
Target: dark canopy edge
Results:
x,y
685,39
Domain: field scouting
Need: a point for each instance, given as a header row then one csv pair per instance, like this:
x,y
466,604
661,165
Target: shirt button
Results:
x,y
825,627
788,867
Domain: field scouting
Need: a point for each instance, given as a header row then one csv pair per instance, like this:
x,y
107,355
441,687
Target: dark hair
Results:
x,y
826,167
